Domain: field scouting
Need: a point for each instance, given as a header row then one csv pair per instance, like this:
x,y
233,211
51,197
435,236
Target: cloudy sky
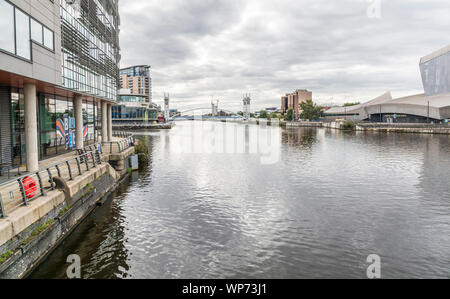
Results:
x,y
342,50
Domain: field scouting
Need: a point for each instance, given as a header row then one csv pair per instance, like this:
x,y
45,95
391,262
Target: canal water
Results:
x,y
224,200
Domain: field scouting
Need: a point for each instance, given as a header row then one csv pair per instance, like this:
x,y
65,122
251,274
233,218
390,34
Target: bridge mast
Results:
x,y
247,101
166,107
214,108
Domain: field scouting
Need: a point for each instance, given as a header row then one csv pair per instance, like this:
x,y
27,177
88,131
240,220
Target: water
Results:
x,y
321,203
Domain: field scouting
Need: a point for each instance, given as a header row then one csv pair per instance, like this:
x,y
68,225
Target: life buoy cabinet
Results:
x,y
29,186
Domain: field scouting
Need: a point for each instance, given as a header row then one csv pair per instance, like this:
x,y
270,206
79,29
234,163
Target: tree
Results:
x,y
311,111
273,115
240,113
289,115
263,114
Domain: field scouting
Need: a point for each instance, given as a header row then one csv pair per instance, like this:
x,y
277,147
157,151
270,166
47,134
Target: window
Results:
x,y
36,32
17,40
7,27
23,35
48,38
42,35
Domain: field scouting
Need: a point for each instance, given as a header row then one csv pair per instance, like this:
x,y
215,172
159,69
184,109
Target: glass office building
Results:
x,y
63,57
90,47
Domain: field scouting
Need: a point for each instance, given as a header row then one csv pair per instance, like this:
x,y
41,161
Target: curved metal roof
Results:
x,y
420,105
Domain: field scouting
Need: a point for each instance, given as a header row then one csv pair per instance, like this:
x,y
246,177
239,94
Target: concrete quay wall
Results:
x,y
30,233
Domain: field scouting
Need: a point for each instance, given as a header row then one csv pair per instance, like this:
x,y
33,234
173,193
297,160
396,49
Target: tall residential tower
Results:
x,y
135,101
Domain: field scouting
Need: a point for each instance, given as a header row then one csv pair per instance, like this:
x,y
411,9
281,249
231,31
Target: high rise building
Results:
x,y
135,100
59,76
137,79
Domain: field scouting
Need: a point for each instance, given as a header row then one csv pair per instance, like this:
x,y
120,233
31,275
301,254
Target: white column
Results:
x,y
31,133
79,126
104,122
110,133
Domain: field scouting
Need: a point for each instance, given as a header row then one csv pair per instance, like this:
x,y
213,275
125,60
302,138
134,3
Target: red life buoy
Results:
x,y
30,187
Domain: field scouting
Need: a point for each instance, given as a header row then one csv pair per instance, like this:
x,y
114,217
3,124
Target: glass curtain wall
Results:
x,y
18,127
53,111
57,122
89,122
89,58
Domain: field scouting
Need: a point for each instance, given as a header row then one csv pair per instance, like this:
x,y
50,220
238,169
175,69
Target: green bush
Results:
x,y
142,150
263,114
289,115
310,110
348,126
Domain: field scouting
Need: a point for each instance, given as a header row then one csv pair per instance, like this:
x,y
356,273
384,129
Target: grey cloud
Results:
x,y
227,48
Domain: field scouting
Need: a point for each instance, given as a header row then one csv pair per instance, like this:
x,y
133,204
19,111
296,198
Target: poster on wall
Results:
x,y
65,129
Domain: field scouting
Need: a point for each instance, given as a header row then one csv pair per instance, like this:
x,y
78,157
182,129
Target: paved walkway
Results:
x,y
18,172
21,171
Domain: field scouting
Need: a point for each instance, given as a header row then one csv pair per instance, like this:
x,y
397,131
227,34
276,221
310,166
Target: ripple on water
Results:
x,y
319,211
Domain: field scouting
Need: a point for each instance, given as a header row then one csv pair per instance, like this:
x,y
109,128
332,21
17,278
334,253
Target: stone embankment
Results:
x,y
137,127
31,232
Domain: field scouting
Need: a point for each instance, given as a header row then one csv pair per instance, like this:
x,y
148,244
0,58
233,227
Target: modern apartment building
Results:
x,y
59,76
293,100
135,100
138,80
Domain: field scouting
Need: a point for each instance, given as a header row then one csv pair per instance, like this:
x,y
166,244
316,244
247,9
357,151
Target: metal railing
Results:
x,y
21,191
118,146
121,134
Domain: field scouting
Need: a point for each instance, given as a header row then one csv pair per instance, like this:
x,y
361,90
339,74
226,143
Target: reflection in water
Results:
x,y
99,242
205,208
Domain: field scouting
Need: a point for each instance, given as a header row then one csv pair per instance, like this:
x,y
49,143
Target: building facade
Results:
x,y
435,71
133,108
293,100
135,100
138,80
431,106
59,76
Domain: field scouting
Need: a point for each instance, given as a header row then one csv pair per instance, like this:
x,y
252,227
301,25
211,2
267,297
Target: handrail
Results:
x,y
122,134
31,186
121,145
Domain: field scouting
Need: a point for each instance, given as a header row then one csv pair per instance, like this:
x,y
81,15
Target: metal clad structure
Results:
x,y
435,74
